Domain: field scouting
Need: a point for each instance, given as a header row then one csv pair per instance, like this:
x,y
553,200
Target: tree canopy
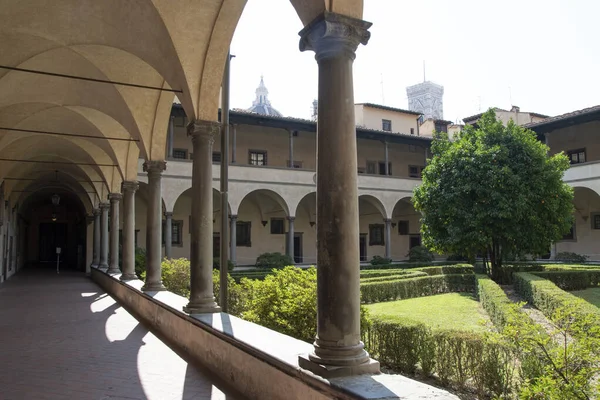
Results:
x,y
493,190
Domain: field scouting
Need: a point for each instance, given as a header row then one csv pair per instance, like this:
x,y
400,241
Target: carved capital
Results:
x,y
203,130
291,219
233,217
90,218
96,211
115,197
130,186
333,35
168,214
104,206
155,167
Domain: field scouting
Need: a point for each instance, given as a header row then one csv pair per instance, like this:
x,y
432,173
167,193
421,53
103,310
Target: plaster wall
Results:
x,y
587,239
584,136
371,118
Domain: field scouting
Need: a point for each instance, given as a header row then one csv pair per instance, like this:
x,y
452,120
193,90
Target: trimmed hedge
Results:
x,y
416,287
509,270
384,278
448,269
572,279
383,272
408,265
459,358
547,297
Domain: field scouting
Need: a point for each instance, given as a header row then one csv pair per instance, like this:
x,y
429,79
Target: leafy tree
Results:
x,y
493,190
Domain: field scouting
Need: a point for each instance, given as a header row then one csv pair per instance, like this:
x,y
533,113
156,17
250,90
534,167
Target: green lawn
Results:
x,y
592,295
457,311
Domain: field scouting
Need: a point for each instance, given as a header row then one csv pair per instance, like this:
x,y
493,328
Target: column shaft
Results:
x,y
154,226
386,158
232,238
338,349
388,237
202,299
290,237
170,136
104,236
168,234
114,233
96,242
291,149
129,189
233,143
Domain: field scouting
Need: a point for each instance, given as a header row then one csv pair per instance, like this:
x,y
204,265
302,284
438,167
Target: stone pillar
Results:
x,y
168,234
114,233
129,189
291,149
202,299
388,237
90,219
104,236
170,136
338,350
96,244
154,226
232,238
290,237
553,251
233,143
386,158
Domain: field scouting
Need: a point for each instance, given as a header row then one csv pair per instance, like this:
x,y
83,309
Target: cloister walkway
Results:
x,y
62,337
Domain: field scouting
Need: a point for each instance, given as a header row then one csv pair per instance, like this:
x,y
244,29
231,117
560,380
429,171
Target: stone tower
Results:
x,y
426,98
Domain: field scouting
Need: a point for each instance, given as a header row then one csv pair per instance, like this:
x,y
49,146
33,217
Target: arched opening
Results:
x,y
406,228
141,215
261,225
48,220
371,227
305,233
585,233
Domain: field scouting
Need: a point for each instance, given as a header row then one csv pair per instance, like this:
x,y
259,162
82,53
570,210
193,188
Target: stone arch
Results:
x,y
308,10
307,207
257,194
372,201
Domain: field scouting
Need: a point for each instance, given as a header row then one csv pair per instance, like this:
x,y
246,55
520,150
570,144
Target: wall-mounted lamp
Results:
x,y
264,223
55,199
393,224
312,223
53,217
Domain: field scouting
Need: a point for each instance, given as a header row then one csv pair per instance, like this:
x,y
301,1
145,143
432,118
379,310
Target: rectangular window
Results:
x,y
412,131
277,226
415,240
595,221
376,237
402,227
576,156
257,157
180,154
414,171
176,232
216,156
386,125
243,234
371,167
441,127
382,168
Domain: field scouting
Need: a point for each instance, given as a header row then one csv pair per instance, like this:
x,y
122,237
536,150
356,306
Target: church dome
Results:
x,y
261,105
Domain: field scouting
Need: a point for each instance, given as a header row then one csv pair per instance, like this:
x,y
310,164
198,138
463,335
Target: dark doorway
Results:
x,y
363,247
216,245
415,240
53,235
298,258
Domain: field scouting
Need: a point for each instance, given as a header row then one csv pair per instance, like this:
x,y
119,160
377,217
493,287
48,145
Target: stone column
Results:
x,y
386,158
89,219
170,136
553,251
290,237
114,233
233,143
129,189
291,149
168,234
104,236
338,349
96,244
388,237
154,226
232,238
202,299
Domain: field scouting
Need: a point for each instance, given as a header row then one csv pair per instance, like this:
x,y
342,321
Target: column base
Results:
x,y
153,287
205,308
103,267
370,367
113,271
128,277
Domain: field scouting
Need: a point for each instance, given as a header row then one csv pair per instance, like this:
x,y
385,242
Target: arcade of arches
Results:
x,y
86,90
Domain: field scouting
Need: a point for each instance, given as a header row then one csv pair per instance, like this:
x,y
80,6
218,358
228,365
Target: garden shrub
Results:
x,y
236,298
416,287
140,262
572,279
384,278
420,253
548,298
217,264
509,270
373,273
566,256
176,275
407,265
260,275
448,269
273,260
378,260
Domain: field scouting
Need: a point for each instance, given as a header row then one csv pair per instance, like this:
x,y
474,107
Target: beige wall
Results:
x,y
587,240
584,136
371,118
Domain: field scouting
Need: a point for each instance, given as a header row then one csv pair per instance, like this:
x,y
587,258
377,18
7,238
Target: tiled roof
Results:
x,y
382,107
477,116
564,117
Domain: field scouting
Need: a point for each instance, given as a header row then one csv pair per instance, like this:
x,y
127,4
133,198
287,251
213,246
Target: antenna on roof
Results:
x,y
510,96
382,95
424,80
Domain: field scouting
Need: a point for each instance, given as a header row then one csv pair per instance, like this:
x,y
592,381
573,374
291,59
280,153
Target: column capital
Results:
x,y
115,197
168,214
332,35
130,186
387,220
291,219
90,218
233,216
104,206
155,166
203,130
96,211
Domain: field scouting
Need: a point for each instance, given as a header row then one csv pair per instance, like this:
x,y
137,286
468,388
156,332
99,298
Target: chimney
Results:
x,y
515,109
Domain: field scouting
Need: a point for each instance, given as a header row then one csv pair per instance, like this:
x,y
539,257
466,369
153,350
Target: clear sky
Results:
x,y
542,55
